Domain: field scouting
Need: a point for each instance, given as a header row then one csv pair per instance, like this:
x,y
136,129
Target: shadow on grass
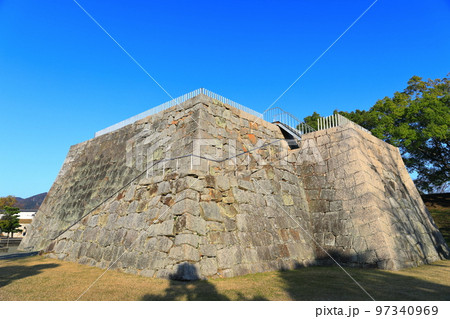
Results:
x,y
328,282
331,283
442,220
441,200
319,283
185,284
8,274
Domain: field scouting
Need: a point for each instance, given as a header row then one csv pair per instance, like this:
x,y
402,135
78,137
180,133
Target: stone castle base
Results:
x,y
342,194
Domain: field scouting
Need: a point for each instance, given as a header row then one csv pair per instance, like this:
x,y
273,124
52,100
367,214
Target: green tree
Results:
x,y
417,121
9,222
312,120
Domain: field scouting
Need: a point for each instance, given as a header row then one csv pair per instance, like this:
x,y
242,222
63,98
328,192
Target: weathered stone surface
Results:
x,y
163,188
190,239
214,226
184,252
210,211
208,250
186,206
227,210
186,194
130,193
287,200
160,243
222,182
130,237
191,223
208,266
230,224
162,229
242,196
228,257
241,222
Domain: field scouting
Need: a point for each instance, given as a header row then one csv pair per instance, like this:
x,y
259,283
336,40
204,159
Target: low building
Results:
x,y
26,216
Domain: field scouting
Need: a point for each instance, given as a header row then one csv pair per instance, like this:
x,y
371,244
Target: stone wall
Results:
x,y
139,202
97,169
364,206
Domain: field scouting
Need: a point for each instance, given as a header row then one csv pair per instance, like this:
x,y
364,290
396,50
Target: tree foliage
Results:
x,y
7,201
417,121
9,222
312,120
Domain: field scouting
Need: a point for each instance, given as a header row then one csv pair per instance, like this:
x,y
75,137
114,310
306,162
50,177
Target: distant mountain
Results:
x,y
33,202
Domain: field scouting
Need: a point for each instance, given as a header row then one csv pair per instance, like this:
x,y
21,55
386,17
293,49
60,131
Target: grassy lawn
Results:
x,y
40,278
439,207
441,216
442,219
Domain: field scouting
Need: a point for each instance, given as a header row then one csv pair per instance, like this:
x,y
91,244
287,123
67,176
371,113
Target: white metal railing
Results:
x,y
174,102
334,120
279,115
229,102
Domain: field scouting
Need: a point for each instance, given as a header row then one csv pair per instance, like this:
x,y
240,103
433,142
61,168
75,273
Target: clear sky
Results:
x,y
62,79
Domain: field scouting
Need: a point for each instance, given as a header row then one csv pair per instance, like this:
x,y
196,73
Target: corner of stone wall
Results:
x,y
364,207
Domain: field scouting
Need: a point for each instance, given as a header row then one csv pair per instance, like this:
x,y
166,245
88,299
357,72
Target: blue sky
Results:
x,y
62,78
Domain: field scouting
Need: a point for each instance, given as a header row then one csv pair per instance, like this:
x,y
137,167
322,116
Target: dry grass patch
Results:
x,y
439,207
441,217
40,278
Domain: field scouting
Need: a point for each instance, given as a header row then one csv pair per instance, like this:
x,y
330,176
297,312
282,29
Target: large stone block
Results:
x,y
160,243
208,250
210,211
208,266
162,229
228,257
184,252
190,239
188,222
186,206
